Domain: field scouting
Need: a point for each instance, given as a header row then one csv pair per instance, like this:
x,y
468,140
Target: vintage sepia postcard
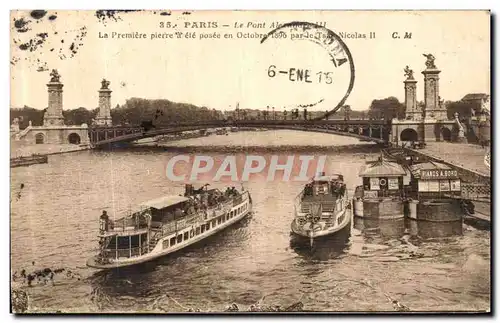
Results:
x,y
250,161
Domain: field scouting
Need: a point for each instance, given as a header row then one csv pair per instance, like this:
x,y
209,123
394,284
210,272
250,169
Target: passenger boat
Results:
x,y
168,224
322,208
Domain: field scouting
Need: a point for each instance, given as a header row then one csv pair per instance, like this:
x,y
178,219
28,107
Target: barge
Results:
x,y
435,193
382,194
404,185
28,160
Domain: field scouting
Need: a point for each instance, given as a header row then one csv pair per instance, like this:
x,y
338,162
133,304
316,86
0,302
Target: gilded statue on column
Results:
x,y
54,76
408,73
430,61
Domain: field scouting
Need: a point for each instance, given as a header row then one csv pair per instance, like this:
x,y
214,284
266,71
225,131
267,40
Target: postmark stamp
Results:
x,y
332,71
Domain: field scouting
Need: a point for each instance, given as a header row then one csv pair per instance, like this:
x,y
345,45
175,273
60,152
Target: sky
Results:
x,y
218,73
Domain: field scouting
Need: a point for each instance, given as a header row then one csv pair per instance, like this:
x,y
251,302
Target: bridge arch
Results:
x,y
74,138
39,138
361,129
409,134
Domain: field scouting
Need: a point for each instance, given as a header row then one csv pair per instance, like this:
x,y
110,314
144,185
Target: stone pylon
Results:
x,y
104,115
412,111
53,115
434,108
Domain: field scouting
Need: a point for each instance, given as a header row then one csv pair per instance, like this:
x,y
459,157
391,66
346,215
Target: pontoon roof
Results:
x,y
164,201
382,168
431,165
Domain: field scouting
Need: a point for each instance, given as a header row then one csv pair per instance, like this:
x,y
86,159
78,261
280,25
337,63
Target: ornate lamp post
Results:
x,y
347,110
274,114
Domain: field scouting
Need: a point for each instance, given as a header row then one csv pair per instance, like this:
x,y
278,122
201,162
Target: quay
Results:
x,y
20,150
465,157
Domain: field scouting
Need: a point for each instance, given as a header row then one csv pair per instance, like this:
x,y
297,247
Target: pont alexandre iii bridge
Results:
x,y
367,130
102,132
421,124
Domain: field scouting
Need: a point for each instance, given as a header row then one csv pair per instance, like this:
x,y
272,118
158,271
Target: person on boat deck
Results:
x,y
340,189
211,198
178,213
204,198
308,190
190,209
167,217
335,187
188,190
105,219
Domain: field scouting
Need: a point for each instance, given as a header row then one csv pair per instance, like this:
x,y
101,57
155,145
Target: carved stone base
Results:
x,y
461,140
53,121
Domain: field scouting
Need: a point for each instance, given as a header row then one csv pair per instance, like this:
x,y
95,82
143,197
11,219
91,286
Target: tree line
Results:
x,y
138,110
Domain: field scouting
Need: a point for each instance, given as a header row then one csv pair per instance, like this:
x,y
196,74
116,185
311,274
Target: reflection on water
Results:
x,y
429,230
323,248
144,280
394,229
380,229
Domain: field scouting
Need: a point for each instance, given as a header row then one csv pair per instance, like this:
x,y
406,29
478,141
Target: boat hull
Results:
x,y
310,231
28,161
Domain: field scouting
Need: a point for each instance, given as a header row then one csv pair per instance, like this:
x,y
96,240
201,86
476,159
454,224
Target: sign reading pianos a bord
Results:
x,y
438,174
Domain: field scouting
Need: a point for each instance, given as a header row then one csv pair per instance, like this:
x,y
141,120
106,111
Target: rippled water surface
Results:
x,y
54,221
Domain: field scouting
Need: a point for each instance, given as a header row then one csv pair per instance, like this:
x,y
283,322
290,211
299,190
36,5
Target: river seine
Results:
x,y
54,223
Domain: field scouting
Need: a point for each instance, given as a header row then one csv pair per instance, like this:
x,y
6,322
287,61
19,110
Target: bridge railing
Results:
x,y
259,122
103,135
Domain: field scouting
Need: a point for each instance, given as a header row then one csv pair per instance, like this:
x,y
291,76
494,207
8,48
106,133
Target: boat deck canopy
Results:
x,y
322,178
164,202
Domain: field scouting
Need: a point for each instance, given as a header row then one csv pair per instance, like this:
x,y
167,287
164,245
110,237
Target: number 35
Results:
x,y
167,24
